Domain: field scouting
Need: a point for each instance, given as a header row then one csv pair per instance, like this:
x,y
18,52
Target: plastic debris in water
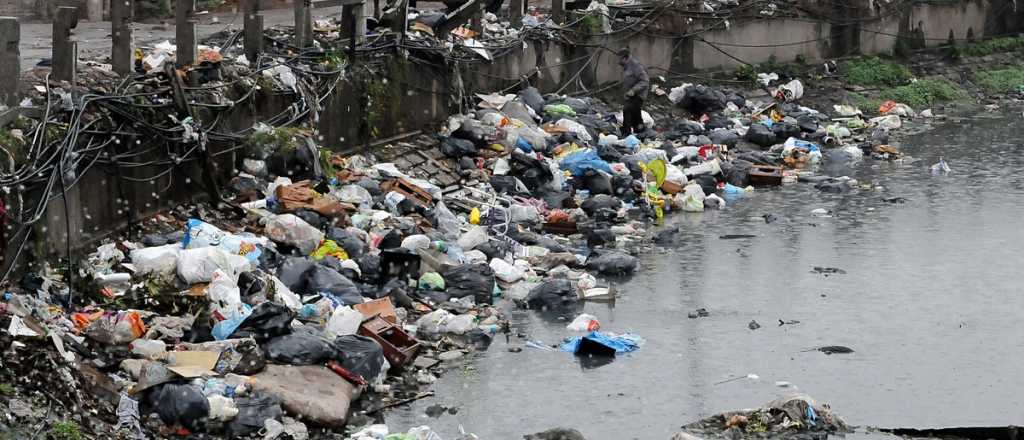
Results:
x,y
941,167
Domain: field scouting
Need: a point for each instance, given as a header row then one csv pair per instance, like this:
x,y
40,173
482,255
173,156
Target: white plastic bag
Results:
x,y
284,295
433,322
294,231
890,122
447,222
224,294
159,260
524,214
416,242
575,128
344,321
198,265
460,324
584,323
506,272
476,236
354,194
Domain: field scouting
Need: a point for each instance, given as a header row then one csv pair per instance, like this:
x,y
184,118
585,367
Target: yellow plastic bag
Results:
x,y
328,248
474,216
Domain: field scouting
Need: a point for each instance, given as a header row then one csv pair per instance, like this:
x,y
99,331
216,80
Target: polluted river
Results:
x,y
924,294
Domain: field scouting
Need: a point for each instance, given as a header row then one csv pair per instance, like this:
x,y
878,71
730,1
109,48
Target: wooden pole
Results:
x,y
121,36
10,60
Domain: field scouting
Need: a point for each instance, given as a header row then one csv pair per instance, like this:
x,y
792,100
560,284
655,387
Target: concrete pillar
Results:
x,y
121,34
515,12
303,23
65,50
185,33
558,11
401,23
353,15
253,34
10,60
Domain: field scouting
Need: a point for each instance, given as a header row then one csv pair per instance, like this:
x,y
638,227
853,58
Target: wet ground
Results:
x,y
930,302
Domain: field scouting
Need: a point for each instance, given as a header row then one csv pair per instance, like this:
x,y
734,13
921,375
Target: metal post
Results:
x,y
515,12
558,11
476,21
401,22
65,50
303,23
253,40
185,33
10,60
121,36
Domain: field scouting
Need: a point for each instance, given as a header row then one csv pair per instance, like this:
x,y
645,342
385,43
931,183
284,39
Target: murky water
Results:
x,y
930,302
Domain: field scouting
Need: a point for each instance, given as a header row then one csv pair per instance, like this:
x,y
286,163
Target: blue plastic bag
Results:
x,y
524,145
579,162
623,343
223,329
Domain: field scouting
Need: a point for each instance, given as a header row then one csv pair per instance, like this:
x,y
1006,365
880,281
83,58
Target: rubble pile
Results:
x,y
795,416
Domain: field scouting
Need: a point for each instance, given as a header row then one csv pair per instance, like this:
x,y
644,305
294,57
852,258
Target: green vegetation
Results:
x,y
924,93
866,104
6,389
989,47
65,430
264,144
1000,81
875,72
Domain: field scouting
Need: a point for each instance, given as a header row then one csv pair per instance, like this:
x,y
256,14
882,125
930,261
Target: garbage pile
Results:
x,y
793,416
356,277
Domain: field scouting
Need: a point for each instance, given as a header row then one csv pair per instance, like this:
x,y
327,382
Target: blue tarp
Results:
x,y
579,162
623,343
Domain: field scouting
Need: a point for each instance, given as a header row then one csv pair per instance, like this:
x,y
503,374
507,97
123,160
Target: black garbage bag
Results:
x,y
321,279
622,187
180,404
552,294
530,170
245,358
807,123
596,125
299,348
470,279
360,355
550,244
517,110
391,240
455,147
699,139
598,237
724,137
396,290
600,201
270,260
369,265
253,410
352,245
268,320
470,130
154,240
493,249
609,153
614,263
315,220
597,182
532,97
701,99
717,121
757,157
738,173
251,284
735,98
293,272
504,184
761,135
686,127
785,130
707,183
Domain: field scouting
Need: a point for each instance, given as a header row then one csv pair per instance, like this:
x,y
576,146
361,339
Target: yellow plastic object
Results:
x,y
657,167
474,216
328,248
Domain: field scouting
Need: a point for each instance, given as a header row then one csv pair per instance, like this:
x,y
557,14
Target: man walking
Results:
x,y
636,84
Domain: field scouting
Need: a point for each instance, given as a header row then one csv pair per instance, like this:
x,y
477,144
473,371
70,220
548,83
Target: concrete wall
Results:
x,y
937,21
790,37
